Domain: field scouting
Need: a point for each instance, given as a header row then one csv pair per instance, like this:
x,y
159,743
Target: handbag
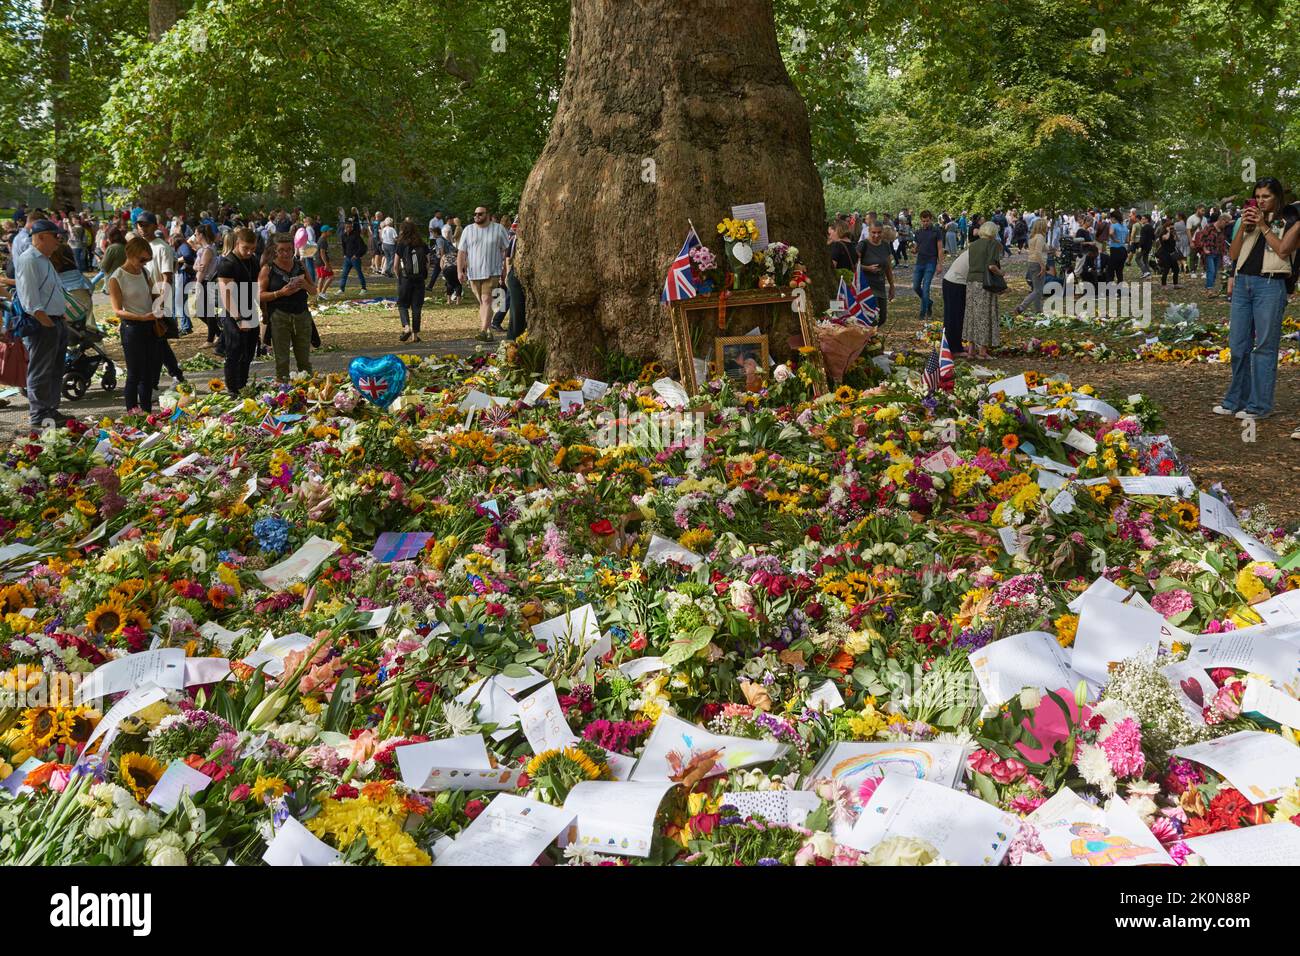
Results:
x,y
995,282
13,361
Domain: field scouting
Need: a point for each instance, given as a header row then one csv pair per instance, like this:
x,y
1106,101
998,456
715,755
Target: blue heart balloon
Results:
x,y
380,380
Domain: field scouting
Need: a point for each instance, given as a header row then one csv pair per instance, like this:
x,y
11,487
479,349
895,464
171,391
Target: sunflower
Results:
x,y
106,618
78,723
50,514
1189,516
127,589
86,507
845,394
139,774
16,597
216,385
41,725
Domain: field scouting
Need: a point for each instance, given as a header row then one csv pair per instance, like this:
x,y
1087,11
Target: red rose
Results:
x,y
474,808
602,527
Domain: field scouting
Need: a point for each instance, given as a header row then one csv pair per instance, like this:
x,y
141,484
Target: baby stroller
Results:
x,y
86,356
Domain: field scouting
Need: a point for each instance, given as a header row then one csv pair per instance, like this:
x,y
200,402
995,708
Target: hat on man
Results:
x,y
148,217
42,225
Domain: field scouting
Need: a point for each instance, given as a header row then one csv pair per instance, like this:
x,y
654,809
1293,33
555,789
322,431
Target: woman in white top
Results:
x,y
954,301
388,239
132,294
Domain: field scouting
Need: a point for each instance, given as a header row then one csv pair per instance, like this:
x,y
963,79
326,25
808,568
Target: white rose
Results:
x,y
169,856
781,373
1030,698
823,844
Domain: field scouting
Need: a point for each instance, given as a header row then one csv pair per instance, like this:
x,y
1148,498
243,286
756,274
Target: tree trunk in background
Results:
x,y
66,188
703,93
166,192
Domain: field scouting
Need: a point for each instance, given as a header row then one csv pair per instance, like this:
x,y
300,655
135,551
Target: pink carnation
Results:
x,y
1172,602
1124,749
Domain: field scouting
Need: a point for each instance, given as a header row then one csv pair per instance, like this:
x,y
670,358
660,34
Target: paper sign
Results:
x,y
674,743
616,818
1049,480
1110,632
1013,543
1216,516
512,831
597,650
137,700
273,650
1033,659
593,390
1053,465
570,400
218,635
638,668
1282,609
477,400
784,807
535,391
825,698
495,698
942,460
579,625
374,620
1266,703
178,778
300,565
1268,844
1073,830
1077,439
852,764
663,549
1013,387
295,845
1103,588
1262,766
1097,407
1169,487
964,829
1192,686
163,668
1063,503
1248,650
458,763
543,722
671,392
756,211
172,470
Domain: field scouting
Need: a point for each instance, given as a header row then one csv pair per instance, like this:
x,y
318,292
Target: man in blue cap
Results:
x,y
46,334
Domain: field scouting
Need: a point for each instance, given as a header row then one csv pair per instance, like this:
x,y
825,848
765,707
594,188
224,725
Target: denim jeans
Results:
x,y
350,263
390,258
46,351
1033,302
141,346
1211,270
1254,330
922,276
180,307
309,266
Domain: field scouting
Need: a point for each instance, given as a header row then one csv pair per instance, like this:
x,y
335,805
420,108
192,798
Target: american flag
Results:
x,y
863,305
939,369
678,285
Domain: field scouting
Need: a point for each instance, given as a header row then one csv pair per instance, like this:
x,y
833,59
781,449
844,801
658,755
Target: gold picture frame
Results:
x,y
742,358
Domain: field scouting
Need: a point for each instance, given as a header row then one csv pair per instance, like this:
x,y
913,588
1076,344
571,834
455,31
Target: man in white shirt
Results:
x,y
481,260
435,227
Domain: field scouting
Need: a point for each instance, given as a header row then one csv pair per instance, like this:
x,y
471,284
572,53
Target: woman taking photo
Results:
x,y
1263,248
282,291
113,257
132,295
412,256
981,320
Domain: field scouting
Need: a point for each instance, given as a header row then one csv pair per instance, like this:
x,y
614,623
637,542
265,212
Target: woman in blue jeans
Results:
x,y
132,295
1263,246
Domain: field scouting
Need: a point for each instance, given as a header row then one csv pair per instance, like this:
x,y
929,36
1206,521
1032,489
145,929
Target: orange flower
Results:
x,y
842,662
1010,442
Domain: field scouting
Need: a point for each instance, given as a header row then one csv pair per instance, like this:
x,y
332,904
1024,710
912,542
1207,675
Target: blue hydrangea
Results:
x,y
272,534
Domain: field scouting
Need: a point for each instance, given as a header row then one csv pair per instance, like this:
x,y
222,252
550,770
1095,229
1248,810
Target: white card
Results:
x,y
1074,831
580,624
673,742
1013,542
295,845
1051,464
1263,700
300,565
964,829
1269,844
374,620
1063,503
1014,386
1262,766
593,390
1033,659
1192,686
671,392
1168,487
616,818
941,461
1103,588
512,831
852,764
535,391
1110,632
1077,439
640,666
1096,406
495,698
172,470
784,807
542,719
133,702
162,668
825,698
570,400
457,763
1248,650
177,779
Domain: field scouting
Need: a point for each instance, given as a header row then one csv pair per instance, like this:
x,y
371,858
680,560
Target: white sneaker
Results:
x,y
1220,410
1243,415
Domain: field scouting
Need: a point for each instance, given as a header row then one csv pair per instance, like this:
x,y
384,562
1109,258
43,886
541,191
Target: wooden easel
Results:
x,y
681,310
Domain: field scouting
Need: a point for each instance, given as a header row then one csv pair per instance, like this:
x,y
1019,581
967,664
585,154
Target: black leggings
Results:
x,y
1167,265
140,346
453,281
410,301
241,346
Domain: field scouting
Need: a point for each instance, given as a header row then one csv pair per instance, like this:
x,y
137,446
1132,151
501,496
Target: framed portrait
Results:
x,y
742,358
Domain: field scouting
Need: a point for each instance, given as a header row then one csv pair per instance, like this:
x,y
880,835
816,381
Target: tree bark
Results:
x,y
669,111
66,191
166,192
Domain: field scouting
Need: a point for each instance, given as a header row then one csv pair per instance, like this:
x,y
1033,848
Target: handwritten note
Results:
x,y
616,818
1262,766
512,831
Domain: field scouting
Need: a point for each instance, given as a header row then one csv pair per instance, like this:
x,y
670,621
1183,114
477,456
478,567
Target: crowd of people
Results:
x,y
1245,252
249,279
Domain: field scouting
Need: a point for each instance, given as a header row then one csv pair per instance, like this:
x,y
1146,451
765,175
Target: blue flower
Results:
x,y
272,534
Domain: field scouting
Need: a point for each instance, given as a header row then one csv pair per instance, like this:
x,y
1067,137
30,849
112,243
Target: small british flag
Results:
x,y
273,427
678,285
373,386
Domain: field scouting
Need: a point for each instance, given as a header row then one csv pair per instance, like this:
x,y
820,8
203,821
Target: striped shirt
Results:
x,y
484,248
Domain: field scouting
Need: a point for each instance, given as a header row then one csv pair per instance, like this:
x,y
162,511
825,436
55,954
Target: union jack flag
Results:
x,y
863,306
273,427
373,386
939,369
678,285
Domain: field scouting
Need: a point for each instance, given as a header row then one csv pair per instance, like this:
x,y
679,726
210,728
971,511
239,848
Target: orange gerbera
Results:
x,y
1010,442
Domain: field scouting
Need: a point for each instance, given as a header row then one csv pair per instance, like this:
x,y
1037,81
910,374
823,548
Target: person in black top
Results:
x,y
877,261
1263,248
842,253
412,271
284,297
929,260
1146,237
354,248
237,293
1167,253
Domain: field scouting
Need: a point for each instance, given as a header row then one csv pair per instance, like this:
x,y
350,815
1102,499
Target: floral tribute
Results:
x,y
834,566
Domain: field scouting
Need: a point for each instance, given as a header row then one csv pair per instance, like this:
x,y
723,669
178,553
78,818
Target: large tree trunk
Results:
x,y
166,192
66,191
668,111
